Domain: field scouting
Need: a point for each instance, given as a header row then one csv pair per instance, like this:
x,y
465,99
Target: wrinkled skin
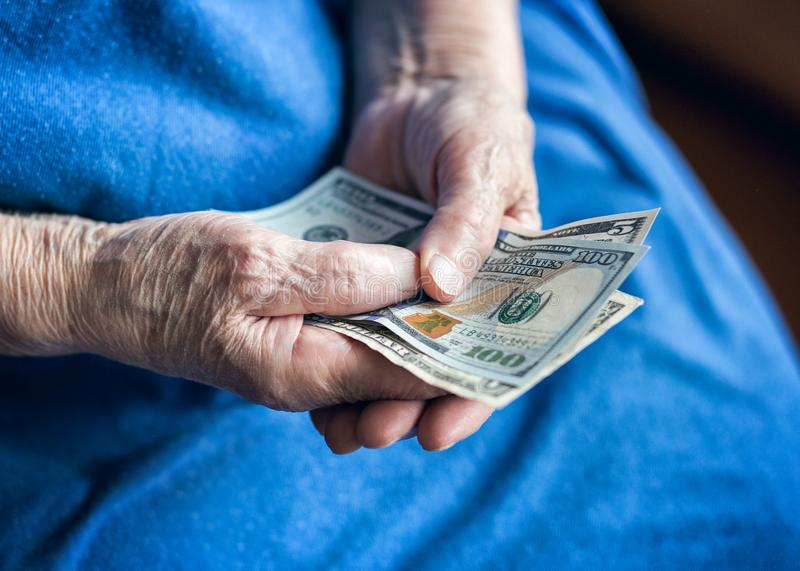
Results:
x,y
467,148
216,298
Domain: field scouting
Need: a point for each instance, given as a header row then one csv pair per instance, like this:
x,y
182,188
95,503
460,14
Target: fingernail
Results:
x,y
446,275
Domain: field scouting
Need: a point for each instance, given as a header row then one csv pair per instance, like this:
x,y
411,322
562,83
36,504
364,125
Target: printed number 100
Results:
x,y
486,355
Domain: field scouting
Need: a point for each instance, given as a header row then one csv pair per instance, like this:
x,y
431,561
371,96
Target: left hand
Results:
x,y
465,147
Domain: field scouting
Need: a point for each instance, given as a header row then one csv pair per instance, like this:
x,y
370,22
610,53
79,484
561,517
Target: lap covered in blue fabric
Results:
x,y
671,442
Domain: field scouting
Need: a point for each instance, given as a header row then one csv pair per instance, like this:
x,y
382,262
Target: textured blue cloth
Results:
x,y
672,442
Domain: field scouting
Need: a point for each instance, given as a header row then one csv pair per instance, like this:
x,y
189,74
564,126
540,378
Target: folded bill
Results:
x,y
536,301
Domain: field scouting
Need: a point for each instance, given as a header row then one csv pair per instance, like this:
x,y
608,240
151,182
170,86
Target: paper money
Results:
x,y
493,392
539,299
342,206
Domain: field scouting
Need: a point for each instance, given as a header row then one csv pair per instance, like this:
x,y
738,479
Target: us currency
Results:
x,y
538,300
476,387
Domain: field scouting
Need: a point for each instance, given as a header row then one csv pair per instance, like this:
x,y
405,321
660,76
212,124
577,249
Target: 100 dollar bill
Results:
x,y
476,387
529,301
538,299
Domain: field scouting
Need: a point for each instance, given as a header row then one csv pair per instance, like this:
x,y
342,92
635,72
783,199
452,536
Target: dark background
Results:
x,y
723,80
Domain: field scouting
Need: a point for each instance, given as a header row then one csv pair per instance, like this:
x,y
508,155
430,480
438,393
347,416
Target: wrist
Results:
x,y
419,42
45,282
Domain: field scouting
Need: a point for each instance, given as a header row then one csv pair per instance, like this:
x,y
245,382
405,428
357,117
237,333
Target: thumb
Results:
x,y
471,203
344,278
459,237
480,177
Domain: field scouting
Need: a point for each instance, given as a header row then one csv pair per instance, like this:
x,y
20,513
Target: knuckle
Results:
x,y
473,227
252,266
223,243
343,268
475,224
473,221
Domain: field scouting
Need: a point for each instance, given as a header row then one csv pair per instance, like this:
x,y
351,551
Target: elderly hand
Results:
x,y
207,296
215,298
447,123
465,147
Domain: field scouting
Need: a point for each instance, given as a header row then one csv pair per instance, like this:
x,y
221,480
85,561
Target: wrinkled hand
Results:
x,y
466,148
462,146
216,298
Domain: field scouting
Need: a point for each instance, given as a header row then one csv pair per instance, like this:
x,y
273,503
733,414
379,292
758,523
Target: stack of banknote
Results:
x,y
537,300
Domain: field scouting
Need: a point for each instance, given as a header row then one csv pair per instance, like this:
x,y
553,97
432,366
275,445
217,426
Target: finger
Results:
x,y
383,423
333,369
450,419
472,198
526,211
526,208
515,225
339,278
319,418
340,431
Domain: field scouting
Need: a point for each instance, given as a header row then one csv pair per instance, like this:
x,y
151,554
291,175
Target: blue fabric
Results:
x,y
672,442
121,109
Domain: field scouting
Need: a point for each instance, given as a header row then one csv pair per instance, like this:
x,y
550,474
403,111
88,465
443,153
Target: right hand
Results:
x,y
216,298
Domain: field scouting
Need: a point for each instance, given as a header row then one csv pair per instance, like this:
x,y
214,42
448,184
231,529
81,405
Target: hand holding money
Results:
x,y
537,300
216,298
464,146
